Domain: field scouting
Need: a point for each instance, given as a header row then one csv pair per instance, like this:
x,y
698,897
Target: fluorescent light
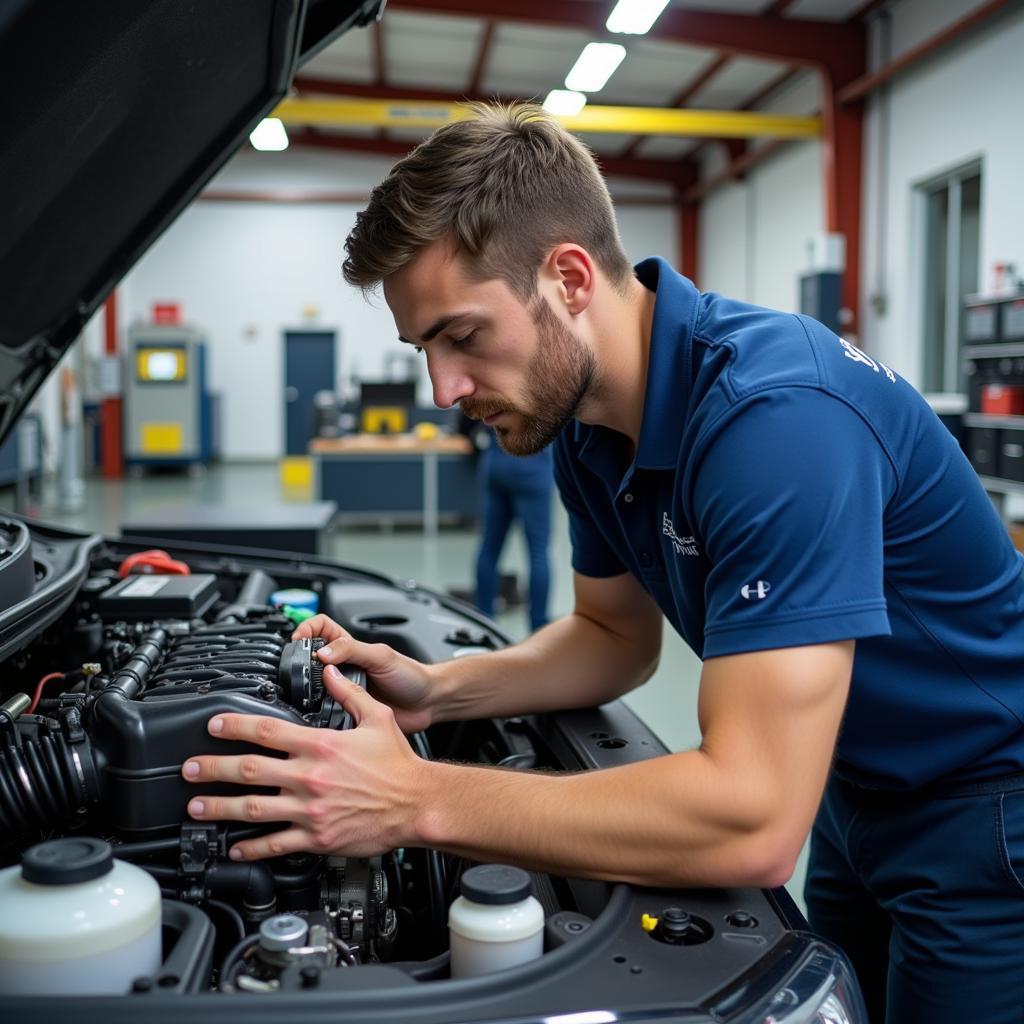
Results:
x,y
587,1017
635,16
594,66
562,101
269,135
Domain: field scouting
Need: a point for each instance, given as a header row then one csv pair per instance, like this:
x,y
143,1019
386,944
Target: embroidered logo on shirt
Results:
x,y
755,591
683,545
854,353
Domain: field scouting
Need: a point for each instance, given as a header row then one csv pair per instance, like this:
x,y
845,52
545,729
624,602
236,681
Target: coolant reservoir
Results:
x,y
495,923
76,921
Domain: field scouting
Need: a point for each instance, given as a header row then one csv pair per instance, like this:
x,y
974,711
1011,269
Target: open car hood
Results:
x,y
115,115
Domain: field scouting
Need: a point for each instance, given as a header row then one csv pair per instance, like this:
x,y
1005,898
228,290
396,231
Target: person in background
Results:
x,y
514,487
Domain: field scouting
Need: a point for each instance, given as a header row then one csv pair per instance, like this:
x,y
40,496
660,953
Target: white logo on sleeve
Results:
x,y
854,353
755,591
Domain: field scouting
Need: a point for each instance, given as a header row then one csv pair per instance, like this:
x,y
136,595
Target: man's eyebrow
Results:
x,y
438,326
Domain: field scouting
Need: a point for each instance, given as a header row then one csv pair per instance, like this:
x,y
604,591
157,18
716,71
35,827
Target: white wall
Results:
x,y
754,233
960,106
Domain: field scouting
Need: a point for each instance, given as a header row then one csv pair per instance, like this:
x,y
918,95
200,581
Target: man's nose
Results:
x,y
450,385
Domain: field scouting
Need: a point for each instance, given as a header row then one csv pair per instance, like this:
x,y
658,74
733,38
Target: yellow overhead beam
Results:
x,y
738,124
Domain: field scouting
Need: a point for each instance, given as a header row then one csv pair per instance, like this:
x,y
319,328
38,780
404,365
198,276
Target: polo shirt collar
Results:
x,y
668,373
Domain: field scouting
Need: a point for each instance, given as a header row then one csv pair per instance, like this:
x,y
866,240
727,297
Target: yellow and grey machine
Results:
x,y
169,413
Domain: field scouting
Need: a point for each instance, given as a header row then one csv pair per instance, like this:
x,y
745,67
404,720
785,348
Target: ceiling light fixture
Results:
x,y
269,135
594,66
563,101
634,16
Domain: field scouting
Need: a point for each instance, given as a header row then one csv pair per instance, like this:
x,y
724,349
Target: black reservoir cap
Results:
x,y
495,884
66,861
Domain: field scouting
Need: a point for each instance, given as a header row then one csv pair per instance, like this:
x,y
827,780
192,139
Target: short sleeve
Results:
x,y
789,497
592,554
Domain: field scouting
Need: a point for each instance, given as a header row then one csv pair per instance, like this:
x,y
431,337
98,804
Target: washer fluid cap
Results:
x,y
495,884
66,861
297,597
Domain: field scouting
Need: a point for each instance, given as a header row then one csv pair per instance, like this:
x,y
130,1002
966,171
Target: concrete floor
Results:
x,y
667,702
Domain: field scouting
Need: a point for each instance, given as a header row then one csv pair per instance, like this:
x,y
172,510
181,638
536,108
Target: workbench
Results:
x,y
398,477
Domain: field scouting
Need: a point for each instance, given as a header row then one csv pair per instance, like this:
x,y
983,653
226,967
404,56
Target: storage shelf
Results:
x,y
1008,350
1000,486
983,419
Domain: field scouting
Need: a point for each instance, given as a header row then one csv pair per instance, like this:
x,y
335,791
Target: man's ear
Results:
x,y
570,268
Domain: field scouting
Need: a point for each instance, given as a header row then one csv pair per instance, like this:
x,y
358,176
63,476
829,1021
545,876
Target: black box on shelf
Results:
x,y
1011,319
1011,455
981,321
983,450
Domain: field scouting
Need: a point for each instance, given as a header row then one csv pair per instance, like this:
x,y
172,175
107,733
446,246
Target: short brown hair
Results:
x,y
505,187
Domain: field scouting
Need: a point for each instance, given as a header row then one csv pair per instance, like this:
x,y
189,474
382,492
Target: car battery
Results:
x,y
159,597
981,322
1011,319
1011,455
983,450
1002,399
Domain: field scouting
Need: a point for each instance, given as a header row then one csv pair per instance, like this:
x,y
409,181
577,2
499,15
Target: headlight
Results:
x,y
821,989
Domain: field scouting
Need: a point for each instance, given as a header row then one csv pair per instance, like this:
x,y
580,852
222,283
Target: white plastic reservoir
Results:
x,y
76,921
495,923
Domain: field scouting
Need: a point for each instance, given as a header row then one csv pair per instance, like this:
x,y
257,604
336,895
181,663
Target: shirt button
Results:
x,y
627,498
645,558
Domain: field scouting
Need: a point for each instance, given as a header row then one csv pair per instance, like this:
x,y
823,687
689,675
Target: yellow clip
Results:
x,y
648,923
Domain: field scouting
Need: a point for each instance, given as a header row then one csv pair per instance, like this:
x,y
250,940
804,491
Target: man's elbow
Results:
x,y
769,858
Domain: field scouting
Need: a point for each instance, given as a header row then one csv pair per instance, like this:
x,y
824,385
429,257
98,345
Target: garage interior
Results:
x,y
855,160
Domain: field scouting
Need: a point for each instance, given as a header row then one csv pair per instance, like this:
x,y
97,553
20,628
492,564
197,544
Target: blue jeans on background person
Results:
x,y
924,892
515,487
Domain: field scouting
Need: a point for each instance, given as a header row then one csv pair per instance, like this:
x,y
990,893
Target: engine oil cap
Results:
x,y
495,884
66,861
283,932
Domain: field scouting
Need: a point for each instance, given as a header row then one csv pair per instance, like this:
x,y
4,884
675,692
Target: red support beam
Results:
x,y
111,448
689,224
379,56
483,54
805,41
842,156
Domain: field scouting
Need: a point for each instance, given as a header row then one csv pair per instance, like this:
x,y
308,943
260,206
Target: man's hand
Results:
x,y
399,681
354,793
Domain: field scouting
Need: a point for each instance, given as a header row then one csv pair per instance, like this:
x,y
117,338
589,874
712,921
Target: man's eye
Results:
x,y
465,340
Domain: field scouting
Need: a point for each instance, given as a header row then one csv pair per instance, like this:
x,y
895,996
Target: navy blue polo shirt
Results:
x,y
788,489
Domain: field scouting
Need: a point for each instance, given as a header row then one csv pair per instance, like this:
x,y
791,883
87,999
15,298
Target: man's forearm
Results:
x,y
571,663
674,820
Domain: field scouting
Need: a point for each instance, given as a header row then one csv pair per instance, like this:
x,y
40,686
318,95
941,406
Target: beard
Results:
x,y
558,378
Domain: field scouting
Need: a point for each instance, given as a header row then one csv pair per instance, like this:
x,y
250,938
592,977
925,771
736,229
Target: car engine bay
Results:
x,y
109,676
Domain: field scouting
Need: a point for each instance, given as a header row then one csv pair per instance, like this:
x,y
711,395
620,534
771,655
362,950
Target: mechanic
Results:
x,y
789,504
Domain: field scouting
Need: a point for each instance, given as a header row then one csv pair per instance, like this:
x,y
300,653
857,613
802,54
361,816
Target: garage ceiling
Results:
x,y
454,49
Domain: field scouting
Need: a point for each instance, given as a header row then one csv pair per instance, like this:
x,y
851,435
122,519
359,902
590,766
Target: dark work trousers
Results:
x,y
925,894
514,487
